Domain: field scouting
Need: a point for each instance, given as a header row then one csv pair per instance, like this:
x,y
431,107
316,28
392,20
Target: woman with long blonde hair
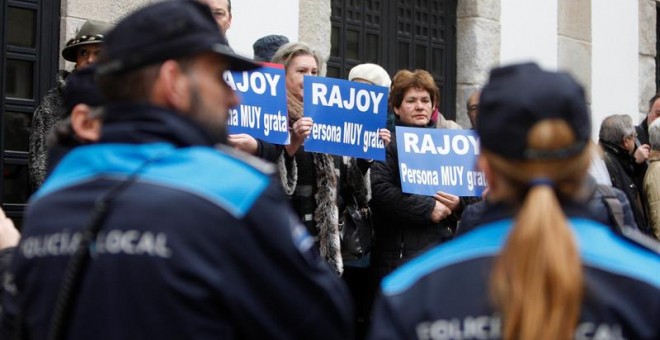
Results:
x,y
547,271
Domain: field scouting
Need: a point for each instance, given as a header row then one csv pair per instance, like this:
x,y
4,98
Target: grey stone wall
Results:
x,y
314,27
647,53
574,40
477,49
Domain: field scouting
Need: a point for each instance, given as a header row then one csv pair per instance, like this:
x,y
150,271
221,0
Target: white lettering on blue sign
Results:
x,y
372,140
417,176
258,82
459,144
232,118
362,100
326,132
250,116
352,133
452,175
275,122
476,178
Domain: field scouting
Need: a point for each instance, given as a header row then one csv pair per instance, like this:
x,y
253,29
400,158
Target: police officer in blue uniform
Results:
x,y
535,267
154,233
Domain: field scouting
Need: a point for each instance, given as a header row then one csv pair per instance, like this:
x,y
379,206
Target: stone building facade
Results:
x,y
478,38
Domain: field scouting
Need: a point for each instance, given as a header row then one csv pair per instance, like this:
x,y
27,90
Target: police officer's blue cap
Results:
x,y
162,31
81,88
519,96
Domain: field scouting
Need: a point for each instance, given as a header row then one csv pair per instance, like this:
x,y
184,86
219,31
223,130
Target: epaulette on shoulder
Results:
x,y
636,237
255,162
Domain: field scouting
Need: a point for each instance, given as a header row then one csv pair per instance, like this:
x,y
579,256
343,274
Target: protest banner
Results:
x,y
347,116
432,160
262,112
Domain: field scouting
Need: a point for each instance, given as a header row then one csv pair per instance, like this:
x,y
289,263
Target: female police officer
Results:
x,y
546,273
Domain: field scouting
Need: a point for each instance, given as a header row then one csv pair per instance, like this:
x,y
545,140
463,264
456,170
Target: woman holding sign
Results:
x,y
544,271
311,179
405,224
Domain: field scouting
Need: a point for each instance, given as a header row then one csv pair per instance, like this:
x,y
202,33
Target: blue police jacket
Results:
x,y
443,294
201,244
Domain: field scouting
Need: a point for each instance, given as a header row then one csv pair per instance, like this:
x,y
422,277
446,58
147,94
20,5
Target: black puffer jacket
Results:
x,y
402,222
627,176
643,131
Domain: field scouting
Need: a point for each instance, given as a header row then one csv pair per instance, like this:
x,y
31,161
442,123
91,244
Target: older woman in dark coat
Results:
x,y
405,224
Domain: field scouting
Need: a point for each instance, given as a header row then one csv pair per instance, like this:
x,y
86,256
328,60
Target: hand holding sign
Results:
x,y
243,142
301,129
440,212
385,135
448,200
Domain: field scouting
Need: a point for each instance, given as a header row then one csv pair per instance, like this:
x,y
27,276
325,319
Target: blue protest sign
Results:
x,y
433,160
262,112
347,116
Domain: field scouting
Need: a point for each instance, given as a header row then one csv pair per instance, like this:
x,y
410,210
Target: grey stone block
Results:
x,y
574,56
487,9
315,28
647,27
478,49
575,19
646,82
85,9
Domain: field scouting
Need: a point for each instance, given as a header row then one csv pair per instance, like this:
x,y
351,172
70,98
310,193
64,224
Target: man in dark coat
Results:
x,y
157,231
654,112
617,137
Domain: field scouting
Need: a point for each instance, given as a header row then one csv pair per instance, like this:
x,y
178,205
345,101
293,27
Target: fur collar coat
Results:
x,y
50,111
332,176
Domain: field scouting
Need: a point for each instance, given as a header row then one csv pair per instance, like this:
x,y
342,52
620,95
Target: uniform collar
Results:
x,y
137,123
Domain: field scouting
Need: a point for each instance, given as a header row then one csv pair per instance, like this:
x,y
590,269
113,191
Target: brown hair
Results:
x,y
537,279
405,80
652,100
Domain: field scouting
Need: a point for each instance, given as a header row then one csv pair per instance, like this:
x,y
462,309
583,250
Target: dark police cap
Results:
x,y
519,96
81,88
166,30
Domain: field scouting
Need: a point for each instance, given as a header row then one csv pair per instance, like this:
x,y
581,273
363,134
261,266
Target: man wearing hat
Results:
x,y
82,50
174,237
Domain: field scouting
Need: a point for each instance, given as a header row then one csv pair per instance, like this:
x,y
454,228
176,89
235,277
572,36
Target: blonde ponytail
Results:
x,y
537,280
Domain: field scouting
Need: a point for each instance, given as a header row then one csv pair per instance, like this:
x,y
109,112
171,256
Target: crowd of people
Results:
x,y
150,220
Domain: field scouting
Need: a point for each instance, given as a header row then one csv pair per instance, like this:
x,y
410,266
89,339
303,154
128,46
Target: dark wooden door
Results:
x,y
402,34
29,43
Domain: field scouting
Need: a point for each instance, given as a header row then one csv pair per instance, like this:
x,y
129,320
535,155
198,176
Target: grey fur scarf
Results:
x,y
326,214
50,111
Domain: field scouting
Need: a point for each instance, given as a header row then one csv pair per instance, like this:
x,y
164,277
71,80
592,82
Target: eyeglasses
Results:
x,y
219,14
